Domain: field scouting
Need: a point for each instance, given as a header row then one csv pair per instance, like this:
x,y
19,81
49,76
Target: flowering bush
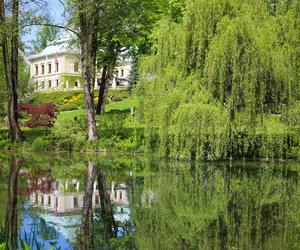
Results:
x,y
40,116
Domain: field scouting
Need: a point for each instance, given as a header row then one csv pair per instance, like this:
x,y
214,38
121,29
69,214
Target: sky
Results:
x,y
55,10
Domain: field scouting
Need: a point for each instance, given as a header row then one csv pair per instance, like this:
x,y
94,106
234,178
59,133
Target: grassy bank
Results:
x,y
120,131
117,128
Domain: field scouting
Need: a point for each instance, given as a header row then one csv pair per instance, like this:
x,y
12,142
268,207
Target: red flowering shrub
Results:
x,y
41,116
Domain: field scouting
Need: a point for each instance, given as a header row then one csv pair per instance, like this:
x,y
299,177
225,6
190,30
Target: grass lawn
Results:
x,y
120,106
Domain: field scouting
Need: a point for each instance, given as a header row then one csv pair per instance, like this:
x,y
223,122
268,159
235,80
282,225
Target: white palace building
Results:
x,y
58,67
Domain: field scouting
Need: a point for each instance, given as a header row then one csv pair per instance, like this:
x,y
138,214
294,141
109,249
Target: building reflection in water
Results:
x,y
58,204
67,197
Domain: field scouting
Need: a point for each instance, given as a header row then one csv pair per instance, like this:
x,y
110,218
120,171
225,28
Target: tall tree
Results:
x,y
10,55
86,15
225,63
45,35
129,25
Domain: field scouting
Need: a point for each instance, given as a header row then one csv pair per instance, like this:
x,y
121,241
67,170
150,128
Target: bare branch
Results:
x,y
52,25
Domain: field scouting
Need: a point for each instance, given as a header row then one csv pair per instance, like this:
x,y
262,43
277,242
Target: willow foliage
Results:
x,y
212,76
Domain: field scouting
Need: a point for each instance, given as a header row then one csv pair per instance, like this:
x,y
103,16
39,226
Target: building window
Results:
x,y
49,84
57,83
122,72
121,196
36,70
49,200
98,82
97,200
42,199
56,67
56,202
76,84
36,85
43,69
49,68
115,194
117,73
76,67
75,202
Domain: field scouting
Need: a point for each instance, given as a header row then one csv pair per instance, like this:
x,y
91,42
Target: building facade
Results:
x,y
58,68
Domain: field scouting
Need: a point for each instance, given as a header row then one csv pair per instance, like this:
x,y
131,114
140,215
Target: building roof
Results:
x,y
61,45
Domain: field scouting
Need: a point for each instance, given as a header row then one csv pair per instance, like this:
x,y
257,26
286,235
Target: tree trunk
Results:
x,y
101,97
11,224
106,206
88,95
86,229
89,21
107,73
10,64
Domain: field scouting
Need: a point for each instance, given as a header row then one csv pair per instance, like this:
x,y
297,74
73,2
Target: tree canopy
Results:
x,y
221,68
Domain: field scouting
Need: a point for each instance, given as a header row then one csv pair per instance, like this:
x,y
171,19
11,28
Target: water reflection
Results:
x,y
219,207
123,204
11,223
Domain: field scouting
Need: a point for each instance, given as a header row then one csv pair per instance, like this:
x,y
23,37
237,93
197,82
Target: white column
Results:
x,y
67,185
112,186
114,83
77,186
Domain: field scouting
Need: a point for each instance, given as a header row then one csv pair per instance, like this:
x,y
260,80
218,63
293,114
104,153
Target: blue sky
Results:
x,y
55,10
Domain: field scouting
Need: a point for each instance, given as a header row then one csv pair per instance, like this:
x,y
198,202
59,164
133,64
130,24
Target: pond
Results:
x,y
119,202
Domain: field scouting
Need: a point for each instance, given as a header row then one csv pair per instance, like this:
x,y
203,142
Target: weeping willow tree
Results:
x,y
213,77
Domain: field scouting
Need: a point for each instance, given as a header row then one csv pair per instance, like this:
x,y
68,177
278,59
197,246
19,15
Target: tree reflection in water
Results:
x,y
87,231
11,224
166,206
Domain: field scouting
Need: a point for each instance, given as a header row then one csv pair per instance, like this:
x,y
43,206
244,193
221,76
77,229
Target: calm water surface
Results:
x,y
119,202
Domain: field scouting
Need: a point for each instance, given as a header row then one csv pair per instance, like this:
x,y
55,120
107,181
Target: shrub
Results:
x,y
117,95
40,144
57,97
68,107
41,116
4,134
111,125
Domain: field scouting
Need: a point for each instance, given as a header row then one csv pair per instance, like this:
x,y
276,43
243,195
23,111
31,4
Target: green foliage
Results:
x,y
45,35
214,78
68,107
117,95
71,80
25,87
292,116
40,144
215,206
